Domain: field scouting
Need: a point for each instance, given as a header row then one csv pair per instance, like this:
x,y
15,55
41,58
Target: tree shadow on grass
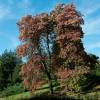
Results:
x,y
49,97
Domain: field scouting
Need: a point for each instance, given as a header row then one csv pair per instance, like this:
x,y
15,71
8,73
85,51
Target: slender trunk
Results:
x,y
51,86
49,77
50,83
49,67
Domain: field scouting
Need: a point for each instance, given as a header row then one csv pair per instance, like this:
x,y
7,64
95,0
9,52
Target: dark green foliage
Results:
x,y
97,69
93,77
16,77
8,63
12,90
92,60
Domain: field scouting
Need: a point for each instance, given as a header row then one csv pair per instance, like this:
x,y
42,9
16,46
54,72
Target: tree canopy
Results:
x,y
8,63
49,42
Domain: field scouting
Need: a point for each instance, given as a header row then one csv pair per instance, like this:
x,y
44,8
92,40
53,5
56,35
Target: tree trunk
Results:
x,y
51,86
50,83
49,67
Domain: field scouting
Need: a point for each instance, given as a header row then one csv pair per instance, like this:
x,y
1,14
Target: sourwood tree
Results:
x,y
50,42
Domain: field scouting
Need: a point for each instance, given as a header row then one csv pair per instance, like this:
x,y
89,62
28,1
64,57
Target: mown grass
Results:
x,y
17,97
27,95
85,96
44,90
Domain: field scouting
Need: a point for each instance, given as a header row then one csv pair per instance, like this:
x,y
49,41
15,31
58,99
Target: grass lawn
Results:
x,y
27,95
45,89
86,96
18,96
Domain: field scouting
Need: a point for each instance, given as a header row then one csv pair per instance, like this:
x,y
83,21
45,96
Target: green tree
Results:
x,y
8,62
92,60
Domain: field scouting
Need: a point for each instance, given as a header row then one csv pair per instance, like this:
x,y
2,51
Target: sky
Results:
x,y
12,10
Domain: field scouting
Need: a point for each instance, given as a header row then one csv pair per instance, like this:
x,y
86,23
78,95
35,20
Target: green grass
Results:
x,y
27,95
96,88
44,89
18,96
86,96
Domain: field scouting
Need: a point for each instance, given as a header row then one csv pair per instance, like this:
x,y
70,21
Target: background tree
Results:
x,y
8,62
93,60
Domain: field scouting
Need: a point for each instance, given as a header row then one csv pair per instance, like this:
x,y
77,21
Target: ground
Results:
x,y
92,95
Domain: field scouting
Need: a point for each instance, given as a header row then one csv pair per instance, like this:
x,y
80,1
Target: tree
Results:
x,y
49,42
36,33
15,76
8,62
93,60
1,75
69,35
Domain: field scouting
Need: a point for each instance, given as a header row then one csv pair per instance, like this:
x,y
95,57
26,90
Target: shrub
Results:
x,y
75,83
12,90
15,76
97,70
76,80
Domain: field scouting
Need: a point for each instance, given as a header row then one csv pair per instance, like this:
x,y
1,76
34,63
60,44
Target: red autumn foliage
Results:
x,y
65,22
69,34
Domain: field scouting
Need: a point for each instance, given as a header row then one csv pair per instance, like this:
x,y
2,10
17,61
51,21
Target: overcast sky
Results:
x,y
12,10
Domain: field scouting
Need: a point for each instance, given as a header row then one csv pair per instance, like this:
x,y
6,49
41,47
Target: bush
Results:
x,y
15,76
76,84
12,90
97,70
93,78
77,80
